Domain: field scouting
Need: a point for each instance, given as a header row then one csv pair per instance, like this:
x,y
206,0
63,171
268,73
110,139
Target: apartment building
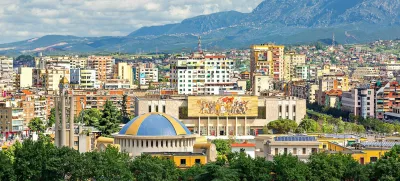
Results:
x,y
124,72
83,78
291,61
11,118
6,73
24,77
267,59
303,90
78,62
202,74
117,84
359,101
145,73
53,77
103,66
301,146
329,82
262,83
387,97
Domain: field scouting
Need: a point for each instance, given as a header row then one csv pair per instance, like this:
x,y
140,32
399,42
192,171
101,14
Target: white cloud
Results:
x,y
25,19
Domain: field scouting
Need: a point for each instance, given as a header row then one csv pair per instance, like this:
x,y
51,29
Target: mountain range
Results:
x,y
278,21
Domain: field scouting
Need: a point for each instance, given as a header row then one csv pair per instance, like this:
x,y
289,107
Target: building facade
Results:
x,y
267,59
359,101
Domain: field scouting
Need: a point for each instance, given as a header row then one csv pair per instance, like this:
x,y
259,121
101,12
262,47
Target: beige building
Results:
x,y
6,73
301,146
12,119
24,78
291,61
269,109
53,77
329,82
124,71
262,83
103,66
267,59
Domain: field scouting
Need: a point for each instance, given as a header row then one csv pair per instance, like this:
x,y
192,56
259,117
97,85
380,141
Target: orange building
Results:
x,y
103,66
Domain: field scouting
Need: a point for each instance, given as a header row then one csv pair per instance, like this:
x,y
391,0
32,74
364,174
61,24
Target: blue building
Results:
x,y
75,76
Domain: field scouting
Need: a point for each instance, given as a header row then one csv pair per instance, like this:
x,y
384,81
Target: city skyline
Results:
x,y
35,18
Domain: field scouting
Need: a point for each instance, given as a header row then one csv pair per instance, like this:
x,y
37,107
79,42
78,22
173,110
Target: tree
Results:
x,y
6,167
335,167
248,85
146,167
124,112
110,119
215,172
90,117
250,169
307,126
282,126
223,146
52,119
287,167
36,125
388,167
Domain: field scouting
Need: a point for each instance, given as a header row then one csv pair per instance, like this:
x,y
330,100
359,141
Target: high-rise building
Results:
x,y
144,73
6,73
124,71
267,59
291,61
359,101
103,66
24,77
202,74
387,97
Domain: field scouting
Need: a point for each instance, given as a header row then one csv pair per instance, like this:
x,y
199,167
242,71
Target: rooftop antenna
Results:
x,y
199,45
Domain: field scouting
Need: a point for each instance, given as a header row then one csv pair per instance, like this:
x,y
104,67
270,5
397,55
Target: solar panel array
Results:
x,y
380,144
295,138
341,136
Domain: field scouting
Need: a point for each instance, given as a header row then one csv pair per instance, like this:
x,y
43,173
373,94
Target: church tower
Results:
x,y
60,106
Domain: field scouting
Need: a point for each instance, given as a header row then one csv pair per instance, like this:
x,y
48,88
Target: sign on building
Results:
x,y
222,106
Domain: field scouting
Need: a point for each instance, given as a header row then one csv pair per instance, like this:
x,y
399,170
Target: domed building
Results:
x,y
155,133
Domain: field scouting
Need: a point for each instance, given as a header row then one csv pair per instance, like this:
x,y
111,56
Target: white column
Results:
x,y
71,122
63,122
226,128
236,126
217,126
245,126
208,126
199,130
57,125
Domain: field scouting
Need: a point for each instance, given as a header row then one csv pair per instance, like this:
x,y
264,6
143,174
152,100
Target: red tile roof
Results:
x,y
243,145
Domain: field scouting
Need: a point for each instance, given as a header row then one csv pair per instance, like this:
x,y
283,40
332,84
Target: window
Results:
x,y
157,143
285,150
287,108
280,108
76,143
294,151
373,159
183,162
149,108
313,150
163,108
197,161
294,108
304,151
276,151
157,108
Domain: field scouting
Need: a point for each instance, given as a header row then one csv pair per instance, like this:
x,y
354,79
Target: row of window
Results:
x,y
294,151
154,143
156,108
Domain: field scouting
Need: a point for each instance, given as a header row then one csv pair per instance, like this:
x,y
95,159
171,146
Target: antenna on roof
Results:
x,y
199,45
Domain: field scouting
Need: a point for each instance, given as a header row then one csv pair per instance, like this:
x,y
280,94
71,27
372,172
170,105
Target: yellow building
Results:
x,y
365,152
267,58
291,60
183,159
339,139
124,71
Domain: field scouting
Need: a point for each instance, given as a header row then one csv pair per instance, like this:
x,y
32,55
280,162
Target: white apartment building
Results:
x,y
24,77
87,78
145,73
262,83
6,73
78,62
202,74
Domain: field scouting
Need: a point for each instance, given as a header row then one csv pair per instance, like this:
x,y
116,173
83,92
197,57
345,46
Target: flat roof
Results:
x,y
175,153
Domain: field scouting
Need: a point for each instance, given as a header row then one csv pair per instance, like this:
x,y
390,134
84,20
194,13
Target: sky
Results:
x,y
25,19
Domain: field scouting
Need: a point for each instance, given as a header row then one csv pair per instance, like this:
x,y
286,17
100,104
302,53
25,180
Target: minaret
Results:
x,y
63,86
71,121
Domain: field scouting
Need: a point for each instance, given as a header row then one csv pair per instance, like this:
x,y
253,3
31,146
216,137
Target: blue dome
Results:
x,y
154,124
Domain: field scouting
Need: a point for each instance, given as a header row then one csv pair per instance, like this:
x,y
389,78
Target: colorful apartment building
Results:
x,y
103,66
387,97
267,59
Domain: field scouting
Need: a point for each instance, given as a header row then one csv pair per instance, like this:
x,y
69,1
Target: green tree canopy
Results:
x,y
307,126
36,125
110,119
282,126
